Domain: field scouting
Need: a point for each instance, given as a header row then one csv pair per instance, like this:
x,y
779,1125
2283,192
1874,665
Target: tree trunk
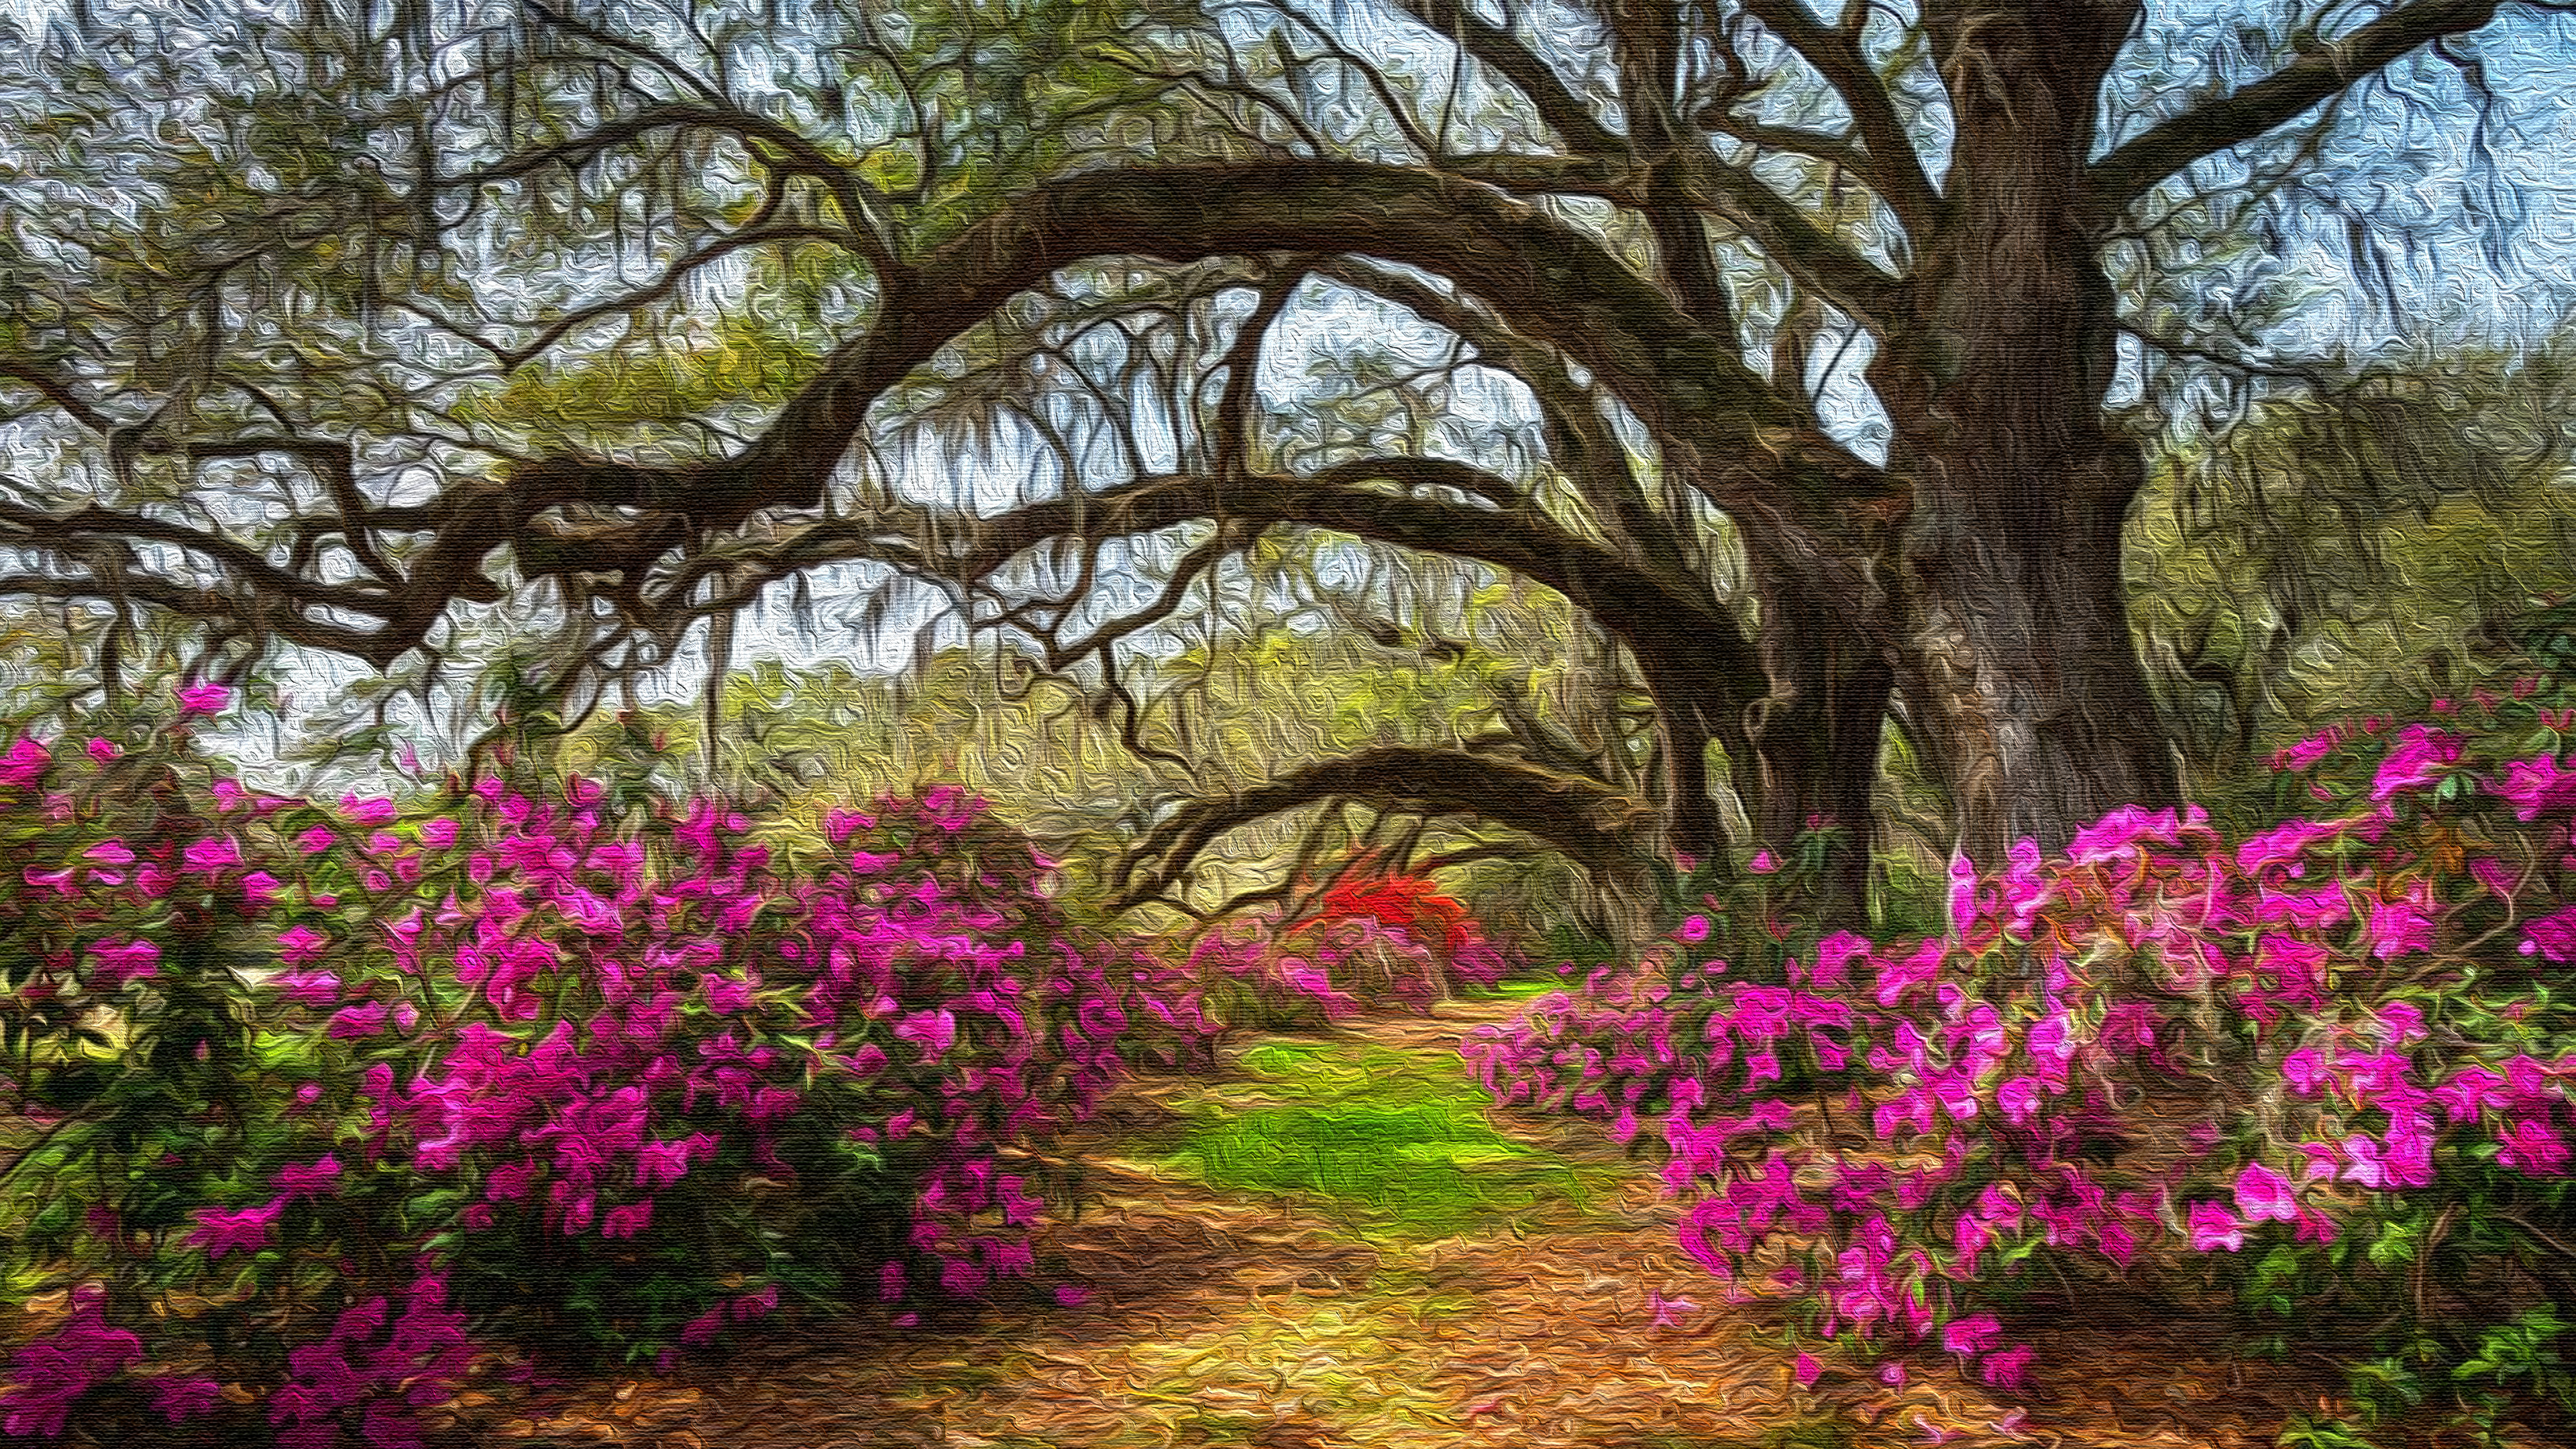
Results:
x,y
2031,688
1816,744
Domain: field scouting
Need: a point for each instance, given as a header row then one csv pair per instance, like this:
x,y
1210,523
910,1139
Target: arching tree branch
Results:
x,y
1591,823
1720,424
1629,601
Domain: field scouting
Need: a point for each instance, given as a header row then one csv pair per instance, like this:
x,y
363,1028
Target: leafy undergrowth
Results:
x,y
1330,1244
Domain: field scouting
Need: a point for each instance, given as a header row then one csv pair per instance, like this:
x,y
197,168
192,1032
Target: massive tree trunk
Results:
x,y
1816,743
2030,685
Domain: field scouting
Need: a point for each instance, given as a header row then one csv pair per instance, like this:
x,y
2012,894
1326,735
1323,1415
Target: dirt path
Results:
x,y
1457,1286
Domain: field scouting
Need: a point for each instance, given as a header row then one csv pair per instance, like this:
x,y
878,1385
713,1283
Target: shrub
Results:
x,y
1371,939
2326,1068
319,1086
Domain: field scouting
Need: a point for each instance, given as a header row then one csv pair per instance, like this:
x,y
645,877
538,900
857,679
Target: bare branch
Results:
x,y
776,146
1528,71
56,390
1893,168
2279,98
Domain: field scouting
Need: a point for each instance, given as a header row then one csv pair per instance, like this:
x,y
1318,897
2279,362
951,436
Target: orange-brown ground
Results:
x,y
1226,1319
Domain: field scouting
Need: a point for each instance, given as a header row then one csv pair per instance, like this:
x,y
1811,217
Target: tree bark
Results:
x,y
2032,691
1816,742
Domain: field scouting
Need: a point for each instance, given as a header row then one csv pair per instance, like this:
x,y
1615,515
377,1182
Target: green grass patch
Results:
x,y
1382,1141
1525,988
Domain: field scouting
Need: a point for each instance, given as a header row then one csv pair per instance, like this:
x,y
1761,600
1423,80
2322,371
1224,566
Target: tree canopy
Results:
x,y
1779,340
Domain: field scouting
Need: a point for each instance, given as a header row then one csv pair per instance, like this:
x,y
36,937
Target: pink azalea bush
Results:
x,y
2326,1067
384,1087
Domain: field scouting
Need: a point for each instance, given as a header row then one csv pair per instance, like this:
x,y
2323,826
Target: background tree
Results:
x,y
2349,549
354,330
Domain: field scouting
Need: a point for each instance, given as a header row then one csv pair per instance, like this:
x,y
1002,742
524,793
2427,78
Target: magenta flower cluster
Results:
x,y
519,1062
2158,1047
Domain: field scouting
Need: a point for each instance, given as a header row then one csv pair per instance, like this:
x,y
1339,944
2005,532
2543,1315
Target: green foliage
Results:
x,y
2327,555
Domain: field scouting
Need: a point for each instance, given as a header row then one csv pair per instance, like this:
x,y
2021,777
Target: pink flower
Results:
x,y
2009,1369
122,962
2263,1195
627,1221
2404,1021
660,1164
204,698
2019,1099
309,1179
2284,845
64,883
216,853
703,1328
2469,1093
2552,936
725,996
1807,1370
299,944
2362,1164
104,750
2533,1147
2305,1071
510,1181
308,988
2419,758
24,764
222,1232
1834,957
367,1018
933,1031
2315,1227
50,1375
1970,1336
2214,1227
369,811
259,890
2539,784
2397,927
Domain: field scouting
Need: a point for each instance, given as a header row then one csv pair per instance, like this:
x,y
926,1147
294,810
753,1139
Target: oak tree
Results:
x,y
340,325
